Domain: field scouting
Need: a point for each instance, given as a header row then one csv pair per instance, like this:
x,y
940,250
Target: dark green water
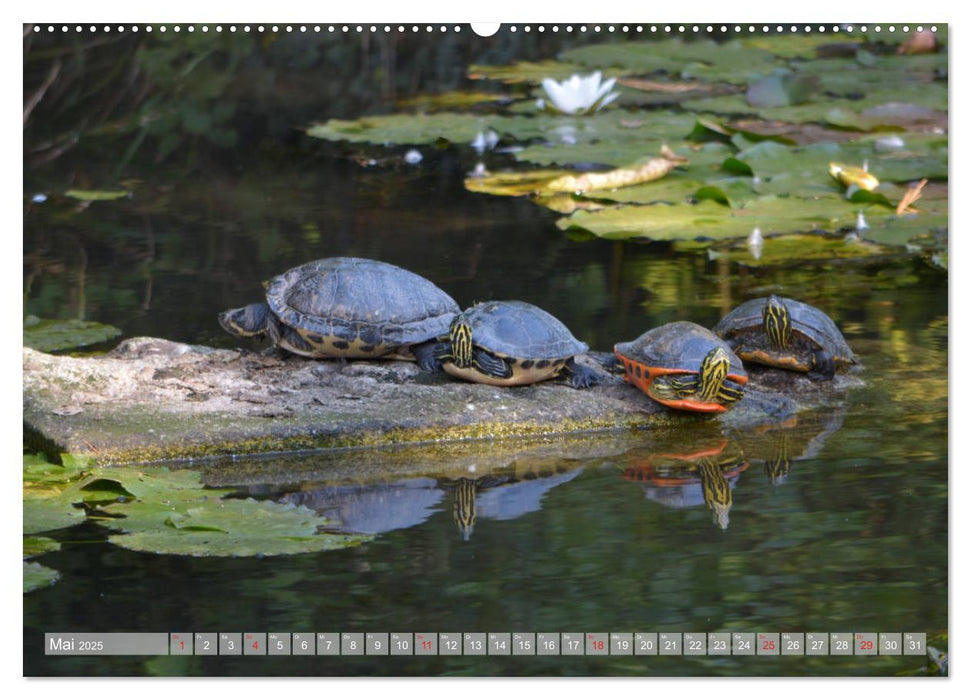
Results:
x,y
854,537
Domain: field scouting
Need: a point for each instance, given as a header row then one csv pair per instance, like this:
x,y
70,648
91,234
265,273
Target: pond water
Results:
x,y
838,521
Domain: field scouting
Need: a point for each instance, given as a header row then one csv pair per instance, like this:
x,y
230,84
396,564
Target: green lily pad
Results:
x,y
35,546
781,89
97,195
533,71
403,129
730,62
224,528
37,576
53,335
50,493
709,220
173,514
899,115
797,45
455,99
804,170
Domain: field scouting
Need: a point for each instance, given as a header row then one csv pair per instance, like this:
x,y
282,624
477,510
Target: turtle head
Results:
x,y
460,337
714,370
245,322
777,322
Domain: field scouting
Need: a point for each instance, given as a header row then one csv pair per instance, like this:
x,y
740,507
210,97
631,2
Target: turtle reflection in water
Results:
x,y
346,308
498,497
673,479
787,334
801,437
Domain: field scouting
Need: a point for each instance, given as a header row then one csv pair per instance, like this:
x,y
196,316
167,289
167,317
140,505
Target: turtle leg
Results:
x,y
824,366
431,355
489,364
612,364
580,377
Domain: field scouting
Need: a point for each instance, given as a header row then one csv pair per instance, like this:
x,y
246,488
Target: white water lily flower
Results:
x,y
579,95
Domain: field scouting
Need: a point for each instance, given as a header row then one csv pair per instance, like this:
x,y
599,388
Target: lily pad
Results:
x,y
35,546
455,99
533,71
53,335
50,494
37,576
731,62
710,220
97,195
173,514
224,528
798,45
804,170
403,129
781,89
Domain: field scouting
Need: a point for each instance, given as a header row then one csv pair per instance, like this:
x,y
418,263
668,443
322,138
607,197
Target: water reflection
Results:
x,y
705,475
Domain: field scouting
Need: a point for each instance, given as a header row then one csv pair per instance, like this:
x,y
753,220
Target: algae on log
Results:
x,y
152,399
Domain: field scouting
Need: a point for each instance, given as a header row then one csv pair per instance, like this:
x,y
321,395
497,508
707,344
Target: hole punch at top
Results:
x,y
485,28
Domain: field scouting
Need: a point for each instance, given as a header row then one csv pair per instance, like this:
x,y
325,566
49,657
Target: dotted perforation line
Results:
x,y
541,28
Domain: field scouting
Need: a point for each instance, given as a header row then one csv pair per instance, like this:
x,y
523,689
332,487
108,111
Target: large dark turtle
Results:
x,y
786,333
685,366
507,343
346,307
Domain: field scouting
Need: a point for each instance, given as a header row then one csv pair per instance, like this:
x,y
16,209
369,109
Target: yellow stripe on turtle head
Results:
x,y
777,322
714,370
460,336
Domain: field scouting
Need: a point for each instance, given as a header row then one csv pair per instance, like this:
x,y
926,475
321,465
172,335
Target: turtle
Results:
x,y
346,308
507,343
683,365
788,334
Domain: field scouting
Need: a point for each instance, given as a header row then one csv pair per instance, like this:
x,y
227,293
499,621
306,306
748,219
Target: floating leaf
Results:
x,y
531,72
224,528
50,494
96,195
53,335
708,220
455,99
654,169
889,115
402,129
707,60
35,546
781,89
174,514
37,576
514,184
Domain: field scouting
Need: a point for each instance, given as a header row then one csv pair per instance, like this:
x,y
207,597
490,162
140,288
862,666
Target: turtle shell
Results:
x,y
354,307
812,330
518,330
676,348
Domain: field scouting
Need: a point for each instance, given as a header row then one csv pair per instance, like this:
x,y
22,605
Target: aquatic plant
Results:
x,y
578,95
